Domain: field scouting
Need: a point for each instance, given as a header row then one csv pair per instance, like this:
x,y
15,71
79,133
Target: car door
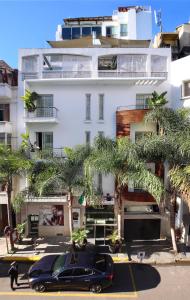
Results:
x,y
82,278
64,280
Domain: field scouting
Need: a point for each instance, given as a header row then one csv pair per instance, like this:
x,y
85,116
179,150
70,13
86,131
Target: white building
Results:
x,y
8,124
84,91
132,22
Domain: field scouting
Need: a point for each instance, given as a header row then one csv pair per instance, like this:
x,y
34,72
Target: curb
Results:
x,y
37,257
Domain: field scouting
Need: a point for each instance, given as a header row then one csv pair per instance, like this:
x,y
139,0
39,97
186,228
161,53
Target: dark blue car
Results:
x,y
72,271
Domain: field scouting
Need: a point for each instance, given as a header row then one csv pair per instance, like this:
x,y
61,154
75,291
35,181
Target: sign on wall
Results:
x,y
76,217
51,215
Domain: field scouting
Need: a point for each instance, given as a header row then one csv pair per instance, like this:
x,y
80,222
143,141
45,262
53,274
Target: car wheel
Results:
x,y
96,288
40,287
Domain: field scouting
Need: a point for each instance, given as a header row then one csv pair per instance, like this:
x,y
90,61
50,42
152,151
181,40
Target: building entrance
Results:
x,y
100,222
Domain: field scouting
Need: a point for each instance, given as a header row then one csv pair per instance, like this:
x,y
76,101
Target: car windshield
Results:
x,y
59,263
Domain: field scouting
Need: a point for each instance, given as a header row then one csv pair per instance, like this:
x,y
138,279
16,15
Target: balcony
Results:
x,y
5,91
66,74
42,115
36,152
5,127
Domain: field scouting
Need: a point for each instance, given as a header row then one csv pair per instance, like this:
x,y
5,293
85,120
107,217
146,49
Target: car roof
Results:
x,y
80,259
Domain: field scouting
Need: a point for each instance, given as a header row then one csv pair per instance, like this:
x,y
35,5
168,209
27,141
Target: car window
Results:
x,y
82,272
100,263
59,263
65,273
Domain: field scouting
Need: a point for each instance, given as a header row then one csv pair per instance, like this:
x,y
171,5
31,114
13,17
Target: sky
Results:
x,y
30,23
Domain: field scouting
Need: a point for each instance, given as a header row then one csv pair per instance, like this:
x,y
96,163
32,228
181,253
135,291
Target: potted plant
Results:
x,y
20,230
79,239
115,242
29,100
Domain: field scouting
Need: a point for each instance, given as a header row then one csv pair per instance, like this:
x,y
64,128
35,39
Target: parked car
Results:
x,y
72,271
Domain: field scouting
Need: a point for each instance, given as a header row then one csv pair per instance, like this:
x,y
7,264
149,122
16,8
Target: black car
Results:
x,y
72,271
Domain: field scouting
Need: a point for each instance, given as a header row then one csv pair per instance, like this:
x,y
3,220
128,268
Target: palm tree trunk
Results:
x,y
119,202
70,213
172,221
9,206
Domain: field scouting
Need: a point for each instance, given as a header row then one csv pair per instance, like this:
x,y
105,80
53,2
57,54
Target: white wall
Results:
x,y
180,71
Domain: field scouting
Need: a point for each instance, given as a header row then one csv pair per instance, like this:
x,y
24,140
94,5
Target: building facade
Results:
x,y
85,92
8,124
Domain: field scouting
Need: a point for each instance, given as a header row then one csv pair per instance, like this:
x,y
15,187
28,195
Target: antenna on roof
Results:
x,y
158,18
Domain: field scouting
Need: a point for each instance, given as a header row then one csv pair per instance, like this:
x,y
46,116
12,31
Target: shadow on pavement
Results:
x,y
128,277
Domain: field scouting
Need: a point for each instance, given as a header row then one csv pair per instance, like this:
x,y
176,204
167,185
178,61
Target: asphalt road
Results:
x,y
136,281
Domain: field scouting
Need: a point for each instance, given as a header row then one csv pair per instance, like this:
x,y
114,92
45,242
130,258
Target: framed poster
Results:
x,y
51,215
76,217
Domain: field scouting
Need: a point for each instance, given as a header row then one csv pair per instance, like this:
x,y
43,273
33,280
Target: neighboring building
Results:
x,y
125,23
83,90
8,121
178,41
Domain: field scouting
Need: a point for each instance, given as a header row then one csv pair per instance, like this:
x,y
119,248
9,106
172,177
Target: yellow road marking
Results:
x,y
133,280
35,294
37,257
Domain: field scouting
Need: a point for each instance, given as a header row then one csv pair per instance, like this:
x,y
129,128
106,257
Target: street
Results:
x,y
133,280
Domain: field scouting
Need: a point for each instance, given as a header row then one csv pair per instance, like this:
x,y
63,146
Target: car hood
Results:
x,y
44,264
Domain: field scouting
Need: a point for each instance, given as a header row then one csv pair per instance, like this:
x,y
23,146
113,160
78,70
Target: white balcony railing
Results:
x,y
66,74
5,127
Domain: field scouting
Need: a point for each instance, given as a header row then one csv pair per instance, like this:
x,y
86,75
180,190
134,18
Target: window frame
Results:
x,y
88,107
183,89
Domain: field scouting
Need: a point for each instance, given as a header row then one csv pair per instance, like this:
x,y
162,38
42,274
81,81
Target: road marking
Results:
x,y
37,257
133,280
35,294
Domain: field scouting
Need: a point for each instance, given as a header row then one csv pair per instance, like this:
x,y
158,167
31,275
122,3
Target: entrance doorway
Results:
x,y
141,229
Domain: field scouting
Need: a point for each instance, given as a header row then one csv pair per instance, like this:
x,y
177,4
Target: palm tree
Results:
x,y
120,159
171,146
63,173
12,163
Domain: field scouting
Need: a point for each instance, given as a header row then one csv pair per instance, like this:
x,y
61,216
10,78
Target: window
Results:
x,y
101,133
186,89
66,33
82,272
4,112
98,30
29,64
101,107
75,32
66,273
45,106
86,31
123,30
88,107
110,31
87,137
2,138
44,140
142,101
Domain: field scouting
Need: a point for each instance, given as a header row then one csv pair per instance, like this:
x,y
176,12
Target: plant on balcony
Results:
x,y
115,243
157,100
29,100
79,239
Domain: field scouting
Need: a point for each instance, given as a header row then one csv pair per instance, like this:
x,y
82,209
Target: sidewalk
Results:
x,y
27,251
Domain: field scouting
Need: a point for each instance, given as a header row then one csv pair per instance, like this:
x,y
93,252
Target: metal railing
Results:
x,y
132,107
66,74
42,112
47,153
29,75
121,74
159,74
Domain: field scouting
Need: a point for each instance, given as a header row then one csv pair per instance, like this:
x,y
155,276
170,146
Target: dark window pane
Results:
x,y
79,272
66,33
66,273
98,30
75,32
86,31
